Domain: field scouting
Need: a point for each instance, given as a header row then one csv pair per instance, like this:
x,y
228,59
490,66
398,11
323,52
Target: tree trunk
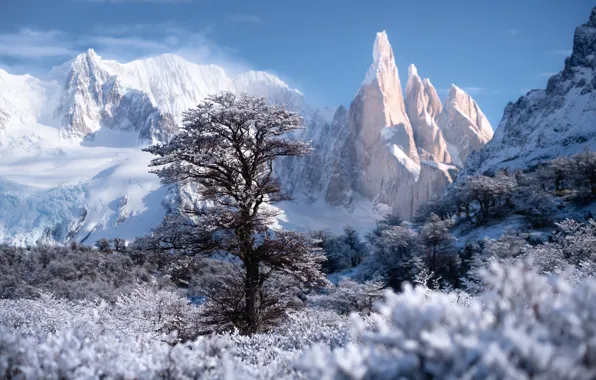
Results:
x,y
251,293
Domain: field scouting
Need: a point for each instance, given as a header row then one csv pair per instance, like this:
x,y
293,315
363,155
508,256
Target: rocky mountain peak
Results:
x,y
584,45
382,48
464,125
592,21
423,106
553,122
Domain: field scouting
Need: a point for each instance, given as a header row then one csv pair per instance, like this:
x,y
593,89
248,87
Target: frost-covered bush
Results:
x,y
68,272
48,338
572,248
349,296
394,255
524,325
146,311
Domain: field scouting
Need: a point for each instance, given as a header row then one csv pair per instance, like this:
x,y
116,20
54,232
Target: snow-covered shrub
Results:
x,y
62,339
572,248
349,296
343,251
524,325
584,171
75,273
144,311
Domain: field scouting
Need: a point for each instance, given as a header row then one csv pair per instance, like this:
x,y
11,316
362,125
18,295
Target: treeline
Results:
x,y
534,194
425,251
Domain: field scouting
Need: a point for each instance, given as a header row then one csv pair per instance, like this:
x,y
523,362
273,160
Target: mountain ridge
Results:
x,y
76,138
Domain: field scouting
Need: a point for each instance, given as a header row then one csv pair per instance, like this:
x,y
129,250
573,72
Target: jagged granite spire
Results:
x,y
584,45
423,107
464,125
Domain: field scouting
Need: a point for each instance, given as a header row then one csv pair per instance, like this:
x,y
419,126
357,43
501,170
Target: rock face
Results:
x,y
560,120
464,126
379,155
424,107
386,149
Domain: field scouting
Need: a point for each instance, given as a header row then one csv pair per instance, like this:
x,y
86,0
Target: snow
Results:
x,y
454,153
406,161
303,216
439,165
381,56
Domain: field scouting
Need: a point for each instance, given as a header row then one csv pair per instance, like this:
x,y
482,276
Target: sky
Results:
x,y
495,50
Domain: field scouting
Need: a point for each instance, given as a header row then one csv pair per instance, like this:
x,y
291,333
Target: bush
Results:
x,y
73,273
523,326
349,296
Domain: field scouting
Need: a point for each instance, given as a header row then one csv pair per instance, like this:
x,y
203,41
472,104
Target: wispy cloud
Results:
x,y
563,52
244,17
513,32
120,42
29,43
135,1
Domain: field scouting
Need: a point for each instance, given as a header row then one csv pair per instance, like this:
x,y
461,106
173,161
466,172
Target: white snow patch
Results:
x,y
406,161
438,165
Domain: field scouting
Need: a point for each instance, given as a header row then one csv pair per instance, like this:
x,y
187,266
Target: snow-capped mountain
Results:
x,y
387,150
72,166
424,107
70,142
559,120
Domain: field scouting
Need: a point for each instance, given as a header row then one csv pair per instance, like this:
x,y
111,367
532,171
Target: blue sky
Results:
x,y
497,50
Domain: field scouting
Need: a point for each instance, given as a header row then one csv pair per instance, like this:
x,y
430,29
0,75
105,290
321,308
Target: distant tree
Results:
x,y
350,296
558,170
584,166
356,247
119,244
445,207
103,245
487,191
226,148
394,256
436,243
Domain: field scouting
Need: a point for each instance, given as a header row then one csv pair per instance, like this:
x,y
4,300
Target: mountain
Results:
x,y
558,120
388,151
423,107
70,141
72,166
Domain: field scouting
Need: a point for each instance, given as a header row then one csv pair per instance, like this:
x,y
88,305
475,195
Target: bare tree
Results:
x,y
585,170
227,147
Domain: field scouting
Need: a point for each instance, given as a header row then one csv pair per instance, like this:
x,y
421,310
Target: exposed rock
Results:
x,y
543,124
464,126
423,107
